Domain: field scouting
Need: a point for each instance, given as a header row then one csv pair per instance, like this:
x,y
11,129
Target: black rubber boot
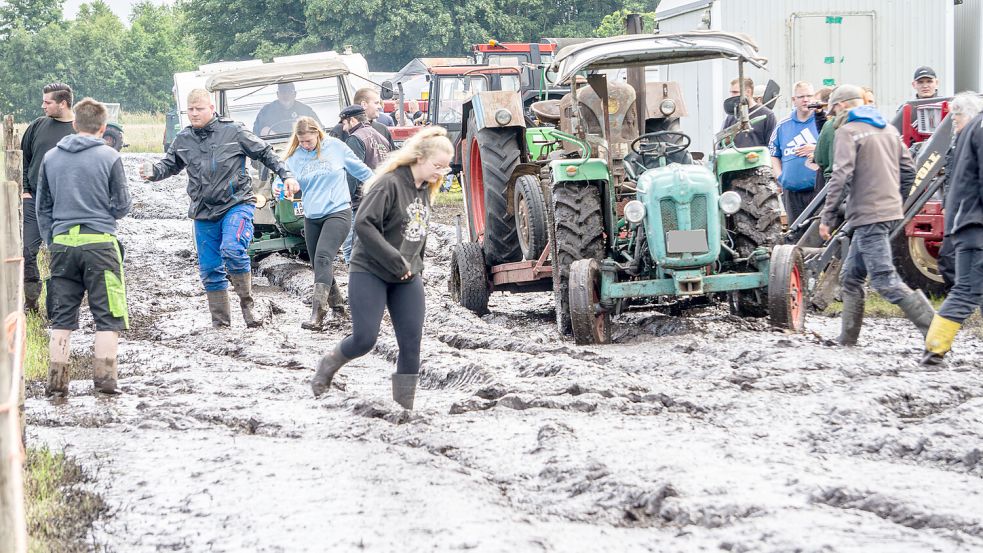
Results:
x,y
218,306
319,303
58,378
337,302
851,320
404,389
104,375
326,370
918,310
243,284
32,293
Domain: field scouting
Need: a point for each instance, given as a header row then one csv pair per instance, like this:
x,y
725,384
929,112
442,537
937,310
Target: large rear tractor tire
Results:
x,y
468,284
578,233
490,157
786,289
591,324
757,224
531,217
113,138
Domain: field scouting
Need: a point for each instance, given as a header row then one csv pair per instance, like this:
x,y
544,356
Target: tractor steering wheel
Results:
x,y
660,143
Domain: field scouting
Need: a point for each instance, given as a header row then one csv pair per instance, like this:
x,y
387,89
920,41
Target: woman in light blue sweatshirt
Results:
x,y
320,163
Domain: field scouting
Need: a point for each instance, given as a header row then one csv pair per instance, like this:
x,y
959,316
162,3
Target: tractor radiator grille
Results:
x,y
669,221
698,212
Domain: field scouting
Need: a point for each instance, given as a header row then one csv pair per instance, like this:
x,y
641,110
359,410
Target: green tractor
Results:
x,y
625,217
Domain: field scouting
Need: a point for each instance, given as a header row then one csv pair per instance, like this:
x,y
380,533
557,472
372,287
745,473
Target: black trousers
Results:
x,y
32,242
324,236
368,297
796,202
967,294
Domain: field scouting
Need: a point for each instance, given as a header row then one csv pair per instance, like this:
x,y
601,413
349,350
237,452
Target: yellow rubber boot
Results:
x,y
939,339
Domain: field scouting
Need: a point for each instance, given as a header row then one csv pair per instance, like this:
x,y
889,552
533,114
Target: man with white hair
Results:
x,y
868,163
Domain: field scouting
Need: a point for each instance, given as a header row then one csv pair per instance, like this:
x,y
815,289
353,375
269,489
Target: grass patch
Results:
x,y
59,512
141,118
876,306
144,137
36,356
450,198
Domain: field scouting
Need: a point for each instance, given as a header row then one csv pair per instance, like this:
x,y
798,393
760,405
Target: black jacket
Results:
x,y
215,156
964,200
391,227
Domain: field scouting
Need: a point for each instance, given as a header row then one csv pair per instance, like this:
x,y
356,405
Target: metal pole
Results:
x,y
636,75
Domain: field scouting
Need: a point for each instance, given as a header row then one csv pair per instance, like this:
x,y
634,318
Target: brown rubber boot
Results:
x,y
104,375
58,378
852,319
243,283
326,370
319,304
218,306
404,389
337,302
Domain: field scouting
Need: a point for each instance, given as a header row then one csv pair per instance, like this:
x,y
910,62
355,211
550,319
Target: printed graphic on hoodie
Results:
x,y
417,218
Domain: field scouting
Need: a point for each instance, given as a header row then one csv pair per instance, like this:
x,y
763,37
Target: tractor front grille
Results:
x,y
928,118
698,212
669,220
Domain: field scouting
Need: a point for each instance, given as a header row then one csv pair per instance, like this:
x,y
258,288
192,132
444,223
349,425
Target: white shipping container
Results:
x,y
875,43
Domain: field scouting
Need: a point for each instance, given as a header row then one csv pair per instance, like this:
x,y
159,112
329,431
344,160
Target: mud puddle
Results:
x,y
695,433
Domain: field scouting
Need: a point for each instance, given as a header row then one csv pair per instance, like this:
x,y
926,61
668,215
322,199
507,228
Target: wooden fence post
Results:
x,y
14,167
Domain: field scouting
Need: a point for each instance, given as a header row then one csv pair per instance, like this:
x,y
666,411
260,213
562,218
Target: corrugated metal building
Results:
x,y
969,61
876,43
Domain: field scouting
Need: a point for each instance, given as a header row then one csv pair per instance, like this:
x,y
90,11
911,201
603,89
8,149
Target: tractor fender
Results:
x,y
496,109
729,160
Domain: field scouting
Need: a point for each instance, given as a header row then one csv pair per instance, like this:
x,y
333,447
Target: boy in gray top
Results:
x,y
81,193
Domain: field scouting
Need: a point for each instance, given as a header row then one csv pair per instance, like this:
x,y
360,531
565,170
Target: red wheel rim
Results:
x,y
476,188
796,297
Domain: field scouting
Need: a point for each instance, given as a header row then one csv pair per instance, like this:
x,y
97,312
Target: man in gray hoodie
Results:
x,y
81,193
869,161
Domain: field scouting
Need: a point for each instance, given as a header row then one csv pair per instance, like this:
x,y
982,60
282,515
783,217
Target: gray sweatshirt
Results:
x,y
81,182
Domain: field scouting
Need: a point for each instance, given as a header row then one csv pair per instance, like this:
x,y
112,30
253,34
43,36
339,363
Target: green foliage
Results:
x,y
32,15
613,24
97,55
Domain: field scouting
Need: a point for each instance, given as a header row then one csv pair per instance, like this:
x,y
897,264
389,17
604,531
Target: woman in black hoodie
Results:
x,y
387,261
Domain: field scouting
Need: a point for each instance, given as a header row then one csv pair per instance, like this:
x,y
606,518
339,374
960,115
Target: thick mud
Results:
x,y
696,433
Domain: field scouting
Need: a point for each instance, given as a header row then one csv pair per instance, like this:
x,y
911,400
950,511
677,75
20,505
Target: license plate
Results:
x,y
687,241
298,209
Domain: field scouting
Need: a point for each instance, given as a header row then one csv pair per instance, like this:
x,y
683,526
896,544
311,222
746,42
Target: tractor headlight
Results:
x,y
503,117
730,202
635,211
667,107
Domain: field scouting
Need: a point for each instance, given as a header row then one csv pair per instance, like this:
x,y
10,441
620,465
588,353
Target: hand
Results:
x,y
26,195
407,276
824,232
805,150
292,187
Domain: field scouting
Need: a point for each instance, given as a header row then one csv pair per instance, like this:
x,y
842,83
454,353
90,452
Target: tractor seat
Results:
x,y
548,111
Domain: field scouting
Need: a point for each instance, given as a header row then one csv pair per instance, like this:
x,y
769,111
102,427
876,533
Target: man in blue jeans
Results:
x,y
214,150
871,162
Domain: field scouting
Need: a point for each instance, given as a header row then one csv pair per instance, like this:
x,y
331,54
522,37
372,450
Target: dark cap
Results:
x,y
924,71
351,111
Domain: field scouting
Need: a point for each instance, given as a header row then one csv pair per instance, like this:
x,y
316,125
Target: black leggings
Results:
x,y
324,237
368,296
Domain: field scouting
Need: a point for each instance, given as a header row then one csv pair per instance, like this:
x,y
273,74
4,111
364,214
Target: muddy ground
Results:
x,y
696,433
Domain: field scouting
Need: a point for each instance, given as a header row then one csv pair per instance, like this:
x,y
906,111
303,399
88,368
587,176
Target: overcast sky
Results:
x,y
120,7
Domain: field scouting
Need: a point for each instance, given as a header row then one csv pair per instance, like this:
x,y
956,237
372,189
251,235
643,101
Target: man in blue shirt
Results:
x,y
791,143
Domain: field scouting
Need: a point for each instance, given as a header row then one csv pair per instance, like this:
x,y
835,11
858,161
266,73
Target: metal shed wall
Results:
x,y
895,54
969,61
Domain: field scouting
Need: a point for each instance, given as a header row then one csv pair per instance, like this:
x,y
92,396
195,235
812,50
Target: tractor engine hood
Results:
x,y
682,217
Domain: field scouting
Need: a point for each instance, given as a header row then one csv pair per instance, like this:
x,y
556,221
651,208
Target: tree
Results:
x,y
31,15
614,23
156,47
238,29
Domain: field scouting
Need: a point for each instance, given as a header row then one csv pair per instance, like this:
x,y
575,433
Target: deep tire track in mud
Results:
x,y
697,433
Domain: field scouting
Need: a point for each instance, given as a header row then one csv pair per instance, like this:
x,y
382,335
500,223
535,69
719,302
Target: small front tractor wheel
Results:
x,y
591,323
786,289
531,217
468,284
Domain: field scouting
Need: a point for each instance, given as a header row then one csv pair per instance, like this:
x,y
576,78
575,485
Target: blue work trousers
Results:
x,y
222,246
870,255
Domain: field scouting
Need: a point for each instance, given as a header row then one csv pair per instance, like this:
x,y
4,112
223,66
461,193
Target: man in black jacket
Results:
x,y
41,136
214,150
371,147
964,228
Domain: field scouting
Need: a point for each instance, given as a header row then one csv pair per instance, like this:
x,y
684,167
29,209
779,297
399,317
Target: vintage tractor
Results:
x,y
629,218
324,86
114,129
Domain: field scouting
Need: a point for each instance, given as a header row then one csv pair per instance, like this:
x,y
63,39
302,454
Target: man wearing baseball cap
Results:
x,y
925,82
870,161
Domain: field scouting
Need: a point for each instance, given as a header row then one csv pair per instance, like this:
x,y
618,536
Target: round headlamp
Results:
x,y
730,202
260,201
503,117
667,107
635,211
